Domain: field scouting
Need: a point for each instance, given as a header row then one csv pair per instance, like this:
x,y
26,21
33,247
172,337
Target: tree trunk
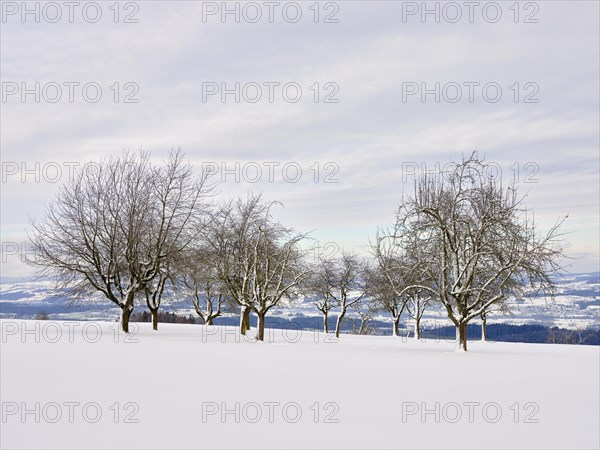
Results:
x,y
260,333
154,312
325,323
396,327
483,327
363,326
417,327
339,323
126,310
245,319
125,314
208,321
461,337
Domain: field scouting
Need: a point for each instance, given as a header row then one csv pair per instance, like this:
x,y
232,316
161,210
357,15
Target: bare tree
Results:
x,y
114,228
259,261
500,307
153,293
175,219
365,309
276,269
229,236
381,292
399,272
320,285
348,286
416,308
197,278
475,241
90,237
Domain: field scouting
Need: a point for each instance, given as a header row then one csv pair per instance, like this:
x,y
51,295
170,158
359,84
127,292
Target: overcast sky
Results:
x,y
367,59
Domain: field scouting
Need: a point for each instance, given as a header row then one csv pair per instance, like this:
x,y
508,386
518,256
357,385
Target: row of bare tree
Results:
x,y
355,284
131,229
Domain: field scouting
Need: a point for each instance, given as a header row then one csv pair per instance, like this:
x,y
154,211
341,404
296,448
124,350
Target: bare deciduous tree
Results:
x,y
175,219
416,308
365,309
229,235
91,233
397,278
348,286
197,278
276,269
258,260
386,281
475,241
320,285
109,231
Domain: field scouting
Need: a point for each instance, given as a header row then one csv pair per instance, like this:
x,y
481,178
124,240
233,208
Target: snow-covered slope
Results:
x,y
188,386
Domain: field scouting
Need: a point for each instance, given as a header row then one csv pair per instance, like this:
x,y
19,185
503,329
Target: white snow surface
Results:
x,y
370,390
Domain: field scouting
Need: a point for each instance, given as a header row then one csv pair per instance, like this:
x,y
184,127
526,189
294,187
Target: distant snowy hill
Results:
x,y
576,307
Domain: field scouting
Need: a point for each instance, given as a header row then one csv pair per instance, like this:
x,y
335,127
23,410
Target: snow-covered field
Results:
x,y
86,385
